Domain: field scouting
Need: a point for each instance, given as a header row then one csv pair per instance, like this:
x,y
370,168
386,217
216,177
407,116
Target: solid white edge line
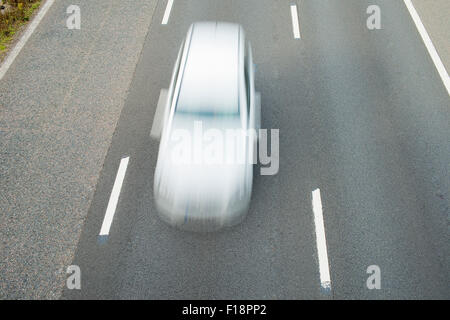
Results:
x,y
167,12
114,198
429,44
295,23
322,253
23,40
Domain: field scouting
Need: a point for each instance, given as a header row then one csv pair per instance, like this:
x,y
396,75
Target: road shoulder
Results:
x,y
434,16
59,105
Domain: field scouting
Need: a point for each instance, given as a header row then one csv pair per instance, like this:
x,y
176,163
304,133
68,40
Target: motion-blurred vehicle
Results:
x,y
201,183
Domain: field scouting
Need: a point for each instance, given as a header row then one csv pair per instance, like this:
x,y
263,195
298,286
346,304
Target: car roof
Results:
x,y
210,80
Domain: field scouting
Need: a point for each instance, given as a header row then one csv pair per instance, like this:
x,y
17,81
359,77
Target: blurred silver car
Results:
x,y
204,173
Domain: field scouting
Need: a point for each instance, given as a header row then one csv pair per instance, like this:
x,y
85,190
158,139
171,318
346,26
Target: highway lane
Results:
x,y
260,258
362,115
385,177
59,104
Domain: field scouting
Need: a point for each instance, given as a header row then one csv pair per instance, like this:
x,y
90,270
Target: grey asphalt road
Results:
x,y
434,15
363,115
59,105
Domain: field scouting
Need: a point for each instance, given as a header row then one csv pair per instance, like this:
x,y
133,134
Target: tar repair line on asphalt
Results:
x,y
113,200
295,23
325,280
167,12
429,44
23,40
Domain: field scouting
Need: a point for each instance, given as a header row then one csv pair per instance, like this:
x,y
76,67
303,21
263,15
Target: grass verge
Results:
x,y
14,15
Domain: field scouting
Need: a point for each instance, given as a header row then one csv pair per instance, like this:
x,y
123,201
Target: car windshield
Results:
x,y
210,83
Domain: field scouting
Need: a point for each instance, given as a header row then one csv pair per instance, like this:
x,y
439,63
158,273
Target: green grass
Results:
x,y
10,22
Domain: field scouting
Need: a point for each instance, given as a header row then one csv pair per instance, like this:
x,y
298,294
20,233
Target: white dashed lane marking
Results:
x,y
325,280
167,12
114,199
295,22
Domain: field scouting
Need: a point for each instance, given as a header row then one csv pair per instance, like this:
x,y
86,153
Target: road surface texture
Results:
x,y
363,115
434,15
59,105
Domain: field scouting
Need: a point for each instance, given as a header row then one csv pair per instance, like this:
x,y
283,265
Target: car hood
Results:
x,y
197,179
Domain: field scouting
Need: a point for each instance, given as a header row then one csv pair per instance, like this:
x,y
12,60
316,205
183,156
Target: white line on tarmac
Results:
x,y
429,44
295,23
23,40
325,280
114,198
167,12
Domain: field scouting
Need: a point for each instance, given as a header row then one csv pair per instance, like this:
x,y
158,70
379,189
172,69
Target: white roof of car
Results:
x,y
210,81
